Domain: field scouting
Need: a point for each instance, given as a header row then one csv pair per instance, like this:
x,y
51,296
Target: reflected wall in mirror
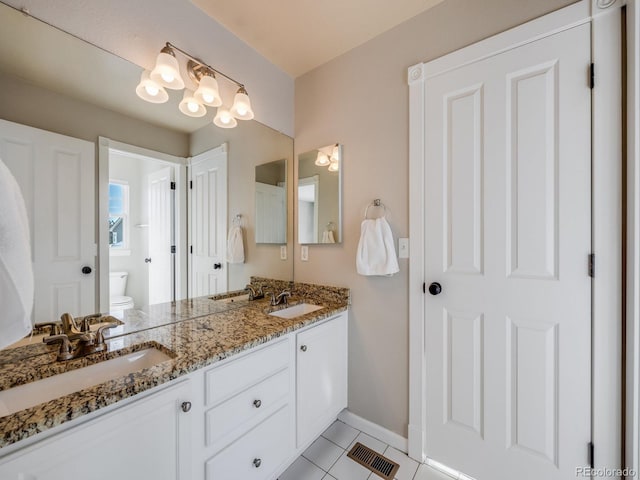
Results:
x,y
271,202
320,195
35,92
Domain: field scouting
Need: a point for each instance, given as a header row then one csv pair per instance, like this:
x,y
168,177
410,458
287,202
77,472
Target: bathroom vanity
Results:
x,y
239,394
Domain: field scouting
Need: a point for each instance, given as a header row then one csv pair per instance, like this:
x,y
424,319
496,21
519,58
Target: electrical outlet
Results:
x,y
283,252
403,248
304,253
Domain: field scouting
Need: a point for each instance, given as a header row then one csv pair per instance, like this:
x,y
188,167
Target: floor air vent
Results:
x,y
381,466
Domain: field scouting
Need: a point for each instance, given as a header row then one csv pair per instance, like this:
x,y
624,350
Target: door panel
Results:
x,y
161,235
508,234
56,176
209,223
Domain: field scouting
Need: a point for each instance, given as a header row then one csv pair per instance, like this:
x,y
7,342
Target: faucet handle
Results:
x,y
55,327
101,329
65,345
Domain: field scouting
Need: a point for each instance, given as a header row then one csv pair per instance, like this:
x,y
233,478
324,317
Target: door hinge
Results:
x,y
424,288
592,75
173,185
191,249
191,184
173,249
592,264
590,455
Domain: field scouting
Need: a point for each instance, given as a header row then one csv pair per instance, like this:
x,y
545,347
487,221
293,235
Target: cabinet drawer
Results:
x,y
236,415
227,380
258,454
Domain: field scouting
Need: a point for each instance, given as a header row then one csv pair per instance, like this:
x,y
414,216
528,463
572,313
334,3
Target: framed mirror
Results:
x,y
320,195
271,202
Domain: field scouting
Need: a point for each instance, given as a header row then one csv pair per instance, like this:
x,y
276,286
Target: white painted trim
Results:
x,y
632,421
374,430
607,236
606,313
179,164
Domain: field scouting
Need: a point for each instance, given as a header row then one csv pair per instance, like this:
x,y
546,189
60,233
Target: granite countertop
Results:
x,y
195,333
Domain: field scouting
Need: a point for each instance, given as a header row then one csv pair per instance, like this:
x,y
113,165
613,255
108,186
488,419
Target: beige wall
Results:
x,y
251,144
361,100
28,104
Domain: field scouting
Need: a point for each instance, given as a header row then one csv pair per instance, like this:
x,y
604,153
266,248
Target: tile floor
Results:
x,y
326,459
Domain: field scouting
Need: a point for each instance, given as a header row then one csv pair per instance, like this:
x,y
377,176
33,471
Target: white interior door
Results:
x,y
56,175
161,236
508,237
208,222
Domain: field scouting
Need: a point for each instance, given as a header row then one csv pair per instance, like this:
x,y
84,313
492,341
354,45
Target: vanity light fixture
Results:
x,y
333,161
166,74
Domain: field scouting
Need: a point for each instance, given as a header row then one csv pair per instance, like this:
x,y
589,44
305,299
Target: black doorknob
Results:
x,y
217,266
435,288
86,270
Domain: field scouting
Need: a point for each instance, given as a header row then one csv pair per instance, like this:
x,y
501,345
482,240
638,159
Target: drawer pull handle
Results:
x,y
303,348
186,406
257,403
257,462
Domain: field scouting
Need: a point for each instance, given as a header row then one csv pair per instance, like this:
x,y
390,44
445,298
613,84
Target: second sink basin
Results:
x,y
296,310
31,394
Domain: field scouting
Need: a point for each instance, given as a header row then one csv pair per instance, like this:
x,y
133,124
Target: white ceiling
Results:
x,y
299,35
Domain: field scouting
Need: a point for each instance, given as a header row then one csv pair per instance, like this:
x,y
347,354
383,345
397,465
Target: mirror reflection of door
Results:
x,y
141,228
271,202
308,210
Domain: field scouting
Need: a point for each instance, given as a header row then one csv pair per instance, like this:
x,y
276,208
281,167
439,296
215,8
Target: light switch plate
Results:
x,y
304,253
283,252
403,248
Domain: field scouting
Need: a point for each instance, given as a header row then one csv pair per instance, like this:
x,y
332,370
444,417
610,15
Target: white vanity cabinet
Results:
x,y
248,416
146,438
321,377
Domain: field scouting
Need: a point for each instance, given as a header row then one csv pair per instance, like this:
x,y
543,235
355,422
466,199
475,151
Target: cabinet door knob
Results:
x,y
303,348
186,406
257,462
257,403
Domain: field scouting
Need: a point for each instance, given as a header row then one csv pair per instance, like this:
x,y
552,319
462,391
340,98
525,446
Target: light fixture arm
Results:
x,y
200,62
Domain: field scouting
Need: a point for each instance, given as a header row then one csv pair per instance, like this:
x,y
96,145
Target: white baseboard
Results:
x,y
387,436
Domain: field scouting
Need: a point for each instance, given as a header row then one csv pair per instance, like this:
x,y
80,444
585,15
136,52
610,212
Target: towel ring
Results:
x,y
237,220
376,203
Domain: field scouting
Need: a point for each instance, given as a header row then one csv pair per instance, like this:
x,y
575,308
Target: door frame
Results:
x,y
632,408
105,147
606,217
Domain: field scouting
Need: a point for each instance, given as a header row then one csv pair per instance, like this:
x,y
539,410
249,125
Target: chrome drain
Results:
x,y
381,466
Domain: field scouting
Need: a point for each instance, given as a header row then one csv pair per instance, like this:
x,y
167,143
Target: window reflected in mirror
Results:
x,y
319,195
118,214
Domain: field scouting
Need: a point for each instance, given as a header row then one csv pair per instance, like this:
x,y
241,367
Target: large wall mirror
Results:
x,y
56,82
319,195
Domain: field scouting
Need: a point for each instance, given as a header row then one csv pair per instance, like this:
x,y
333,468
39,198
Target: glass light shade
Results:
x,y
224,119
322,160
191,106
335,153
334,166
241,108
167,72
150,91
207,92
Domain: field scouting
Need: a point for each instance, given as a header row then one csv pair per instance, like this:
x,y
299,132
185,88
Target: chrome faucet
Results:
x,y
281,298
88,342
255,293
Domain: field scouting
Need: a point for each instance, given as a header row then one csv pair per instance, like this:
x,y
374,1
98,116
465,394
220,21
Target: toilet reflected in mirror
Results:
x,y
118,301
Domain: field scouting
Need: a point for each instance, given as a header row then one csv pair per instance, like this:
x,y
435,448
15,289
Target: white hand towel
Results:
x,y
235,245
330,238
16,269
376,251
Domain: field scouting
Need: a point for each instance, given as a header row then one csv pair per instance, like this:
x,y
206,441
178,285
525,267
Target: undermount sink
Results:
x,y
296,310
31,394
